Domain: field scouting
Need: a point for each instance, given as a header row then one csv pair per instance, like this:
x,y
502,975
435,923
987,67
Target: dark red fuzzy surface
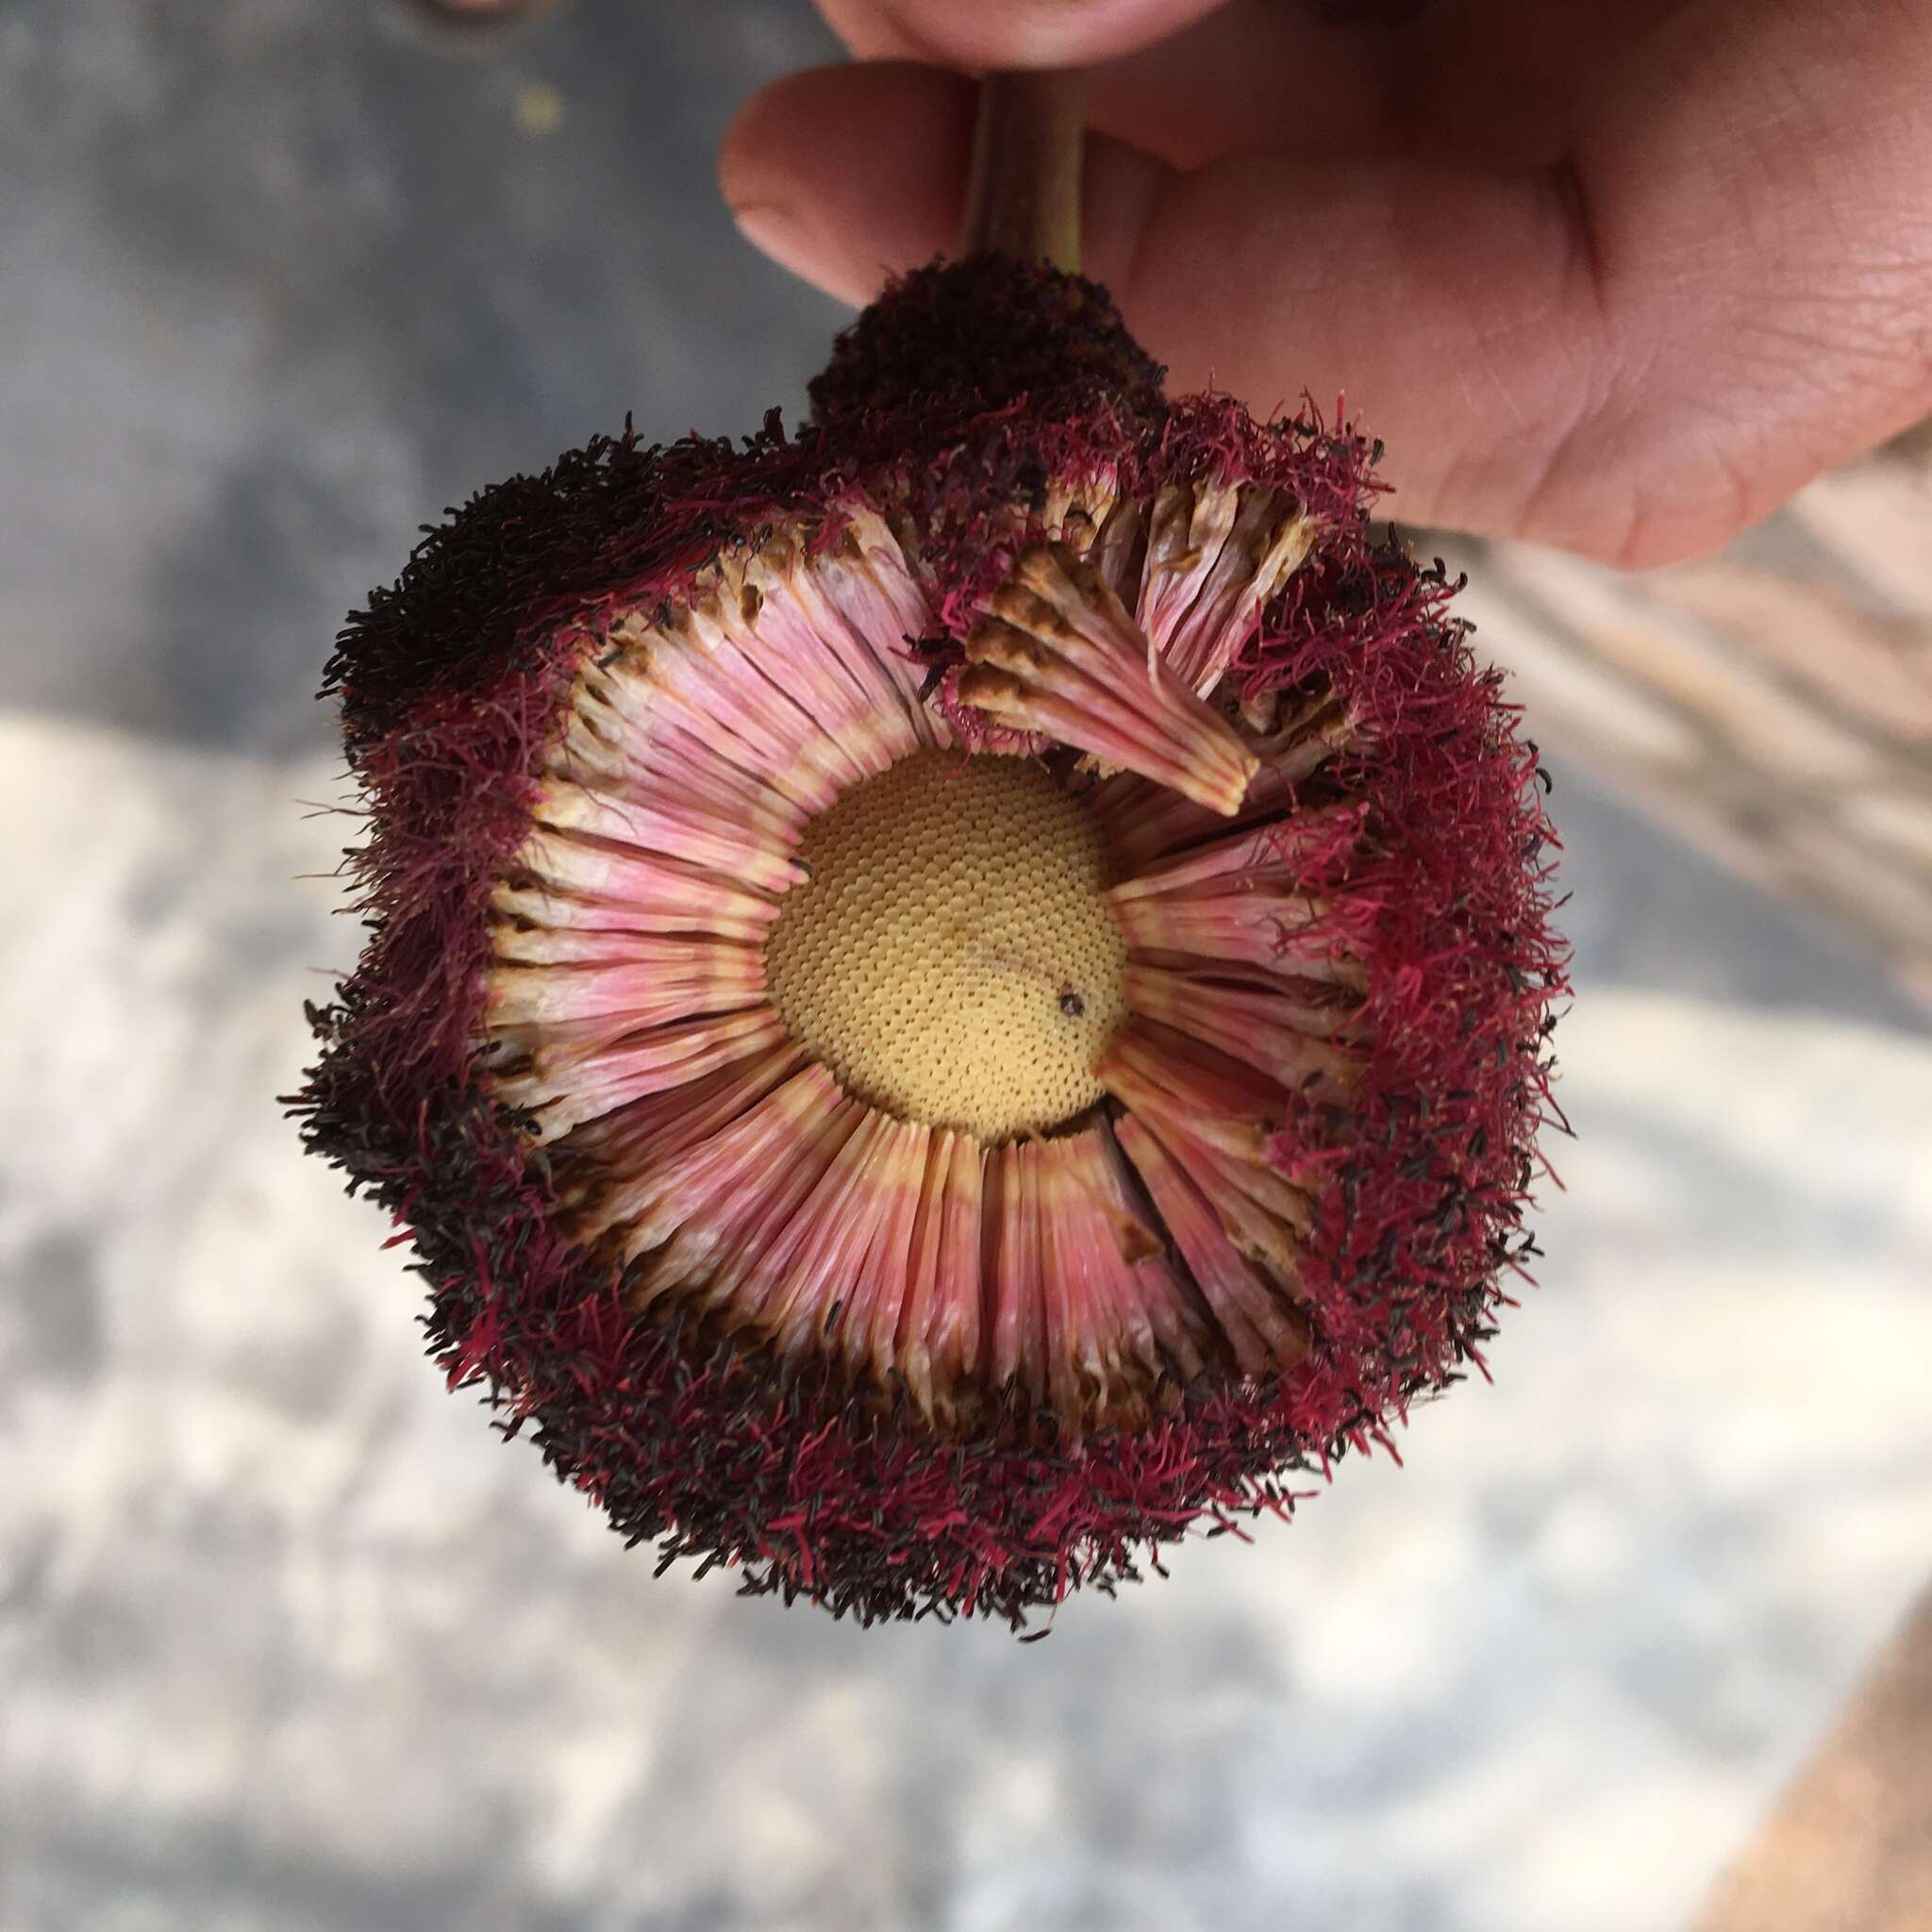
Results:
x,y
981,335
452,684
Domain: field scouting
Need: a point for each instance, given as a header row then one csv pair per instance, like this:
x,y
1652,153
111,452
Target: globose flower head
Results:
x,y
952,993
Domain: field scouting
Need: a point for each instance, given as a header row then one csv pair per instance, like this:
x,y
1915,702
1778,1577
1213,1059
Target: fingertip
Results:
x,y
1010,33
847,174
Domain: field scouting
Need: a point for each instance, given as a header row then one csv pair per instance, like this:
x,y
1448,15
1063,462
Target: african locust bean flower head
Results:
x,y
949,993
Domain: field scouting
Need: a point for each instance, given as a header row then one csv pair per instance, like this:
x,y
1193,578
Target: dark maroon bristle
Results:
x,y
973,336
453,682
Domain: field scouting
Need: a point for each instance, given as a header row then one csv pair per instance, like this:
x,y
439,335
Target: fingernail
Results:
x,y
777,232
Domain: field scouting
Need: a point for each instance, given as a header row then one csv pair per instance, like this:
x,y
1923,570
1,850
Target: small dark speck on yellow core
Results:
x,y
950,958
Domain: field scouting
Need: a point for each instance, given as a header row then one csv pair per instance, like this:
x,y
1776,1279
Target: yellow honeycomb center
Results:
x,y
950,959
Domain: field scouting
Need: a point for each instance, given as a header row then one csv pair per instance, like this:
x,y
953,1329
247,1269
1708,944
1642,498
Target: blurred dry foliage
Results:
x,y
1850,1849
1773,702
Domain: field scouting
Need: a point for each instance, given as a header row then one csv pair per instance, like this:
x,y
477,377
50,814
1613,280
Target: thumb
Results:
x,y
1443,303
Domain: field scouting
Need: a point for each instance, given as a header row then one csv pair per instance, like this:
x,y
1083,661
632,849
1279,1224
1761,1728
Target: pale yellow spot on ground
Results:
x,y
538,109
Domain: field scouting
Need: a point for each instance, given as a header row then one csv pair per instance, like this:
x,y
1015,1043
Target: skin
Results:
x,y
1620,275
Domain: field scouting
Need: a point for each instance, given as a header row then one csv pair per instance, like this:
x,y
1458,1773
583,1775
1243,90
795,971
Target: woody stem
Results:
x,y
1023,187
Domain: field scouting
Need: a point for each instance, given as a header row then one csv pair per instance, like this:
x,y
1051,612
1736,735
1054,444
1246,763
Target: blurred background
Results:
x,y
288,1639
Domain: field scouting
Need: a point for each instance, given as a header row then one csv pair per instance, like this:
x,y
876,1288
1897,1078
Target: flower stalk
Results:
x,y
1023,184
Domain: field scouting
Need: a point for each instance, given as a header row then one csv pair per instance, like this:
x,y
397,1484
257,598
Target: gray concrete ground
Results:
x,y
288,1641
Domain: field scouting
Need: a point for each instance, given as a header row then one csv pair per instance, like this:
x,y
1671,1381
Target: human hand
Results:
x,y
1615,275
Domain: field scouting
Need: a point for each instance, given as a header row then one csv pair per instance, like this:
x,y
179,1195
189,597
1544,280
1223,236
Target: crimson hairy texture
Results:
x,y
953,994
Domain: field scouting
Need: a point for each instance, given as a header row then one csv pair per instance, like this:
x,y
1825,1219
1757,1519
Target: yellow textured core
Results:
x,y
949,960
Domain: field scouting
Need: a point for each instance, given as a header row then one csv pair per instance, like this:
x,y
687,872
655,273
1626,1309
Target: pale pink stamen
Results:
x,y
808,1282
1259,1026
703,666
1010,1224
646,1132
1273,854
664,821
1152,1070
874,1304
1119,1306
563,1087
833,679
864,577
662,752
1059,654
1082,1327
537,904
1144,822
1216,554
1261,925
517,942
1167,1303
700,1192
722,1252
1186,528
683,687
881,703
663,894
1263,1213
659,980
1264,1328
1119,550
937,1341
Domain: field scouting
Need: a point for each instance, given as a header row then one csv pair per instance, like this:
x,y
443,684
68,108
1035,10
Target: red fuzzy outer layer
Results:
x,y
452,683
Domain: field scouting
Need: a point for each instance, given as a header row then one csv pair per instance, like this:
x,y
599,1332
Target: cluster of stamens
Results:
x,y
943,1020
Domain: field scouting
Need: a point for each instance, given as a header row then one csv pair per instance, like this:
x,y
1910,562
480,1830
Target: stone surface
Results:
x,y
289,1640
